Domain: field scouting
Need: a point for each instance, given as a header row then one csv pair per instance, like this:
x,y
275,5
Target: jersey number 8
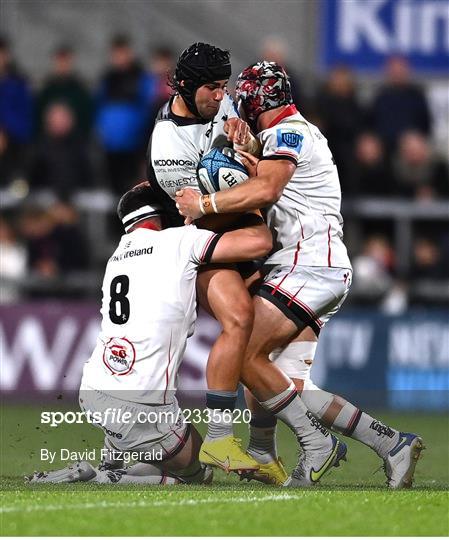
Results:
x,y
118,291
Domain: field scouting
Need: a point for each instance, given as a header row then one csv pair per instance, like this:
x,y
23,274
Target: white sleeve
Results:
x,y
283,142
202,243
229,106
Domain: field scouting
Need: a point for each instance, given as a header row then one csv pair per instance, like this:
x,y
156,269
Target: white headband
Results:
x,y
143,212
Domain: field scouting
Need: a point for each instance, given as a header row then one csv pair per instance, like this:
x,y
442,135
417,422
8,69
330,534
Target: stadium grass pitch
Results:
x,y
350,501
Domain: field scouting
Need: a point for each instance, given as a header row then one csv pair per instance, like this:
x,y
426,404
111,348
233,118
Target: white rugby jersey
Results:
x,y
148,312
306,221
176,145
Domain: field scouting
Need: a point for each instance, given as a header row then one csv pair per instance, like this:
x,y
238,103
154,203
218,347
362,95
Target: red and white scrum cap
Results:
x,y
261,87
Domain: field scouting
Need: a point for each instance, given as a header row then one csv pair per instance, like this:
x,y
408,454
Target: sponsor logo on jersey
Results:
x,y
113,433
286,138
119,356
174,163
188,181
132,253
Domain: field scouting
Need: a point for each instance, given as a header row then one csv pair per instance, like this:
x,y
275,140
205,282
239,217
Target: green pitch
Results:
x,y
350,501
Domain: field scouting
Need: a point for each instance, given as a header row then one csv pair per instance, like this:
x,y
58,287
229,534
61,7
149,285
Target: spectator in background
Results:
x,y
122,115
12,263
36,227
400,105
370,173
15,102
274,49
428,261
374,267
419,174
156,80
340,118
61,161
54,242
374,271
12,167
67,232
64,86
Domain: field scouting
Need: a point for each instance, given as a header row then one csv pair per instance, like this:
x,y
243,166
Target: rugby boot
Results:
x,y
272,473
313,465
81,471
226,453
208,476
400,463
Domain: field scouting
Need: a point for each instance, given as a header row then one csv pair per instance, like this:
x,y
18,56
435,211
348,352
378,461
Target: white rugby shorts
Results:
x,y
149,429
307,295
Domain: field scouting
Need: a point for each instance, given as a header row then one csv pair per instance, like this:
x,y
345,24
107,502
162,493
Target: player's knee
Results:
x,y
299,383
240,318
296,360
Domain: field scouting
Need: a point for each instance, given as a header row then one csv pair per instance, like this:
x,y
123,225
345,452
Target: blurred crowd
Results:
x,y
47,132
62,135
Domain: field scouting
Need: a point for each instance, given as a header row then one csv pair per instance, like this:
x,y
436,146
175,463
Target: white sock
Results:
x,y
288,407
368,430
262,440
220,406
220,426
351,421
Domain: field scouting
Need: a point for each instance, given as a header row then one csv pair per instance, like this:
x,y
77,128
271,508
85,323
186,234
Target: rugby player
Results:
x,y
308,275
199,116
148,312
271,387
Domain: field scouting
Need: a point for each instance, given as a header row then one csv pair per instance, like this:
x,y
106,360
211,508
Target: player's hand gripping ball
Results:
x,y
221,168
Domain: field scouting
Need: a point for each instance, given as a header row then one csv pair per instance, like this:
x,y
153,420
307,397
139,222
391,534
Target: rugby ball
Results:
x,y
219,169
